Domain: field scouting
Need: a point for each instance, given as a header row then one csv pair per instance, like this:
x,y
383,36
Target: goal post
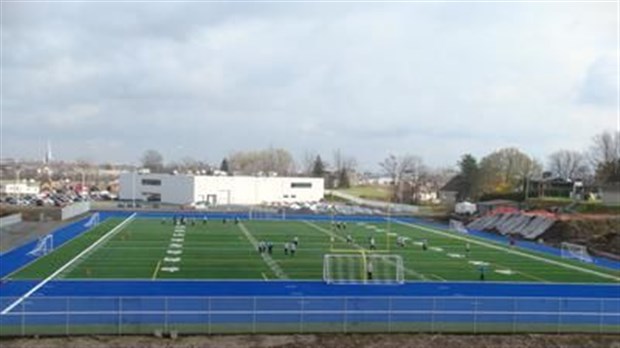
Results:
x,y
457,226
363,268
45,245
93,221
575,251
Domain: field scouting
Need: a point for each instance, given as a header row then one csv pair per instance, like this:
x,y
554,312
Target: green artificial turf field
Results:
x,y
148,249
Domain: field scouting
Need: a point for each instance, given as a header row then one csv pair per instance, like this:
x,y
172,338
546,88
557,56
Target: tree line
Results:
x,y
501,171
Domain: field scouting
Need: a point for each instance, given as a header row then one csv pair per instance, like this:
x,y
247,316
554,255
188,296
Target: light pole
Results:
x,y
133,188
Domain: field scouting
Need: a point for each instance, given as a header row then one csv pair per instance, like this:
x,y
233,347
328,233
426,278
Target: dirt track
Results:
x,y
336,341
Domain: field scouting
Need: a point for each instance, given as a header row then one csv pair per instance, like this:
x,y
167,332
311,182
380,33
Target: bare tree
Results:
x,y
399,168
568,164
605,148
153,160
344,166
279,161
604,156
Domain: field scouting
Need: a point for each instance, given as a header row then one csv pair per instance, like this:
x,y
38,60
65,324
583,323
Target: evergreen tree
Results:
x,y
470,174
224,166
318,169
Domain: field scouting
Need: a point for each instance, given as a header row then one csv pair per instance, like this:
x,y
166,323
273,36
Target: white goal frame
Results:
x,y
93,221
45,245
575,251
458,226
359,262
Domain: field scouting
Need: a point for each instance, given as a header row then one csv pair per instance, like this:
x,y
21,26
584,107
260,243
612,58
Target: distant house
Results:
x,y
449,194
610,194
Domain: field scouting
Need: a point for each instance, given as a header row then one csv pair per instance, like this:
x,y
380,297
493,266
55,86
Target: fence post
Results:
x,y
559,323
166,314
209,318
23,328
120,316
475,316
601,310
389,314
514,315
301,317
67,316
345,315
254,314
433,314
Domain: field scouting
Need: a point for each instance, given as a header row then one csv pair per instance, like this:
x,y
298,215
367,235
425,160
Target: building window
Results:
x,y
301,185
285,196
293,196
151,182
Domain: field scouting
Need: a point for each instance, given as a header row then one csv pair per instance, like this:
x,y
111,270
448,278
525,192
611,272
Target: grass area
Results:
x,y
142,250
373,192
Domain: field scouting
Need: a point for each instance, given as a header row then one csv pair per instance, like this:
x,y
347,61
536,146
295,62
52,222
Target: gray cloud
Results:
x,y
109,80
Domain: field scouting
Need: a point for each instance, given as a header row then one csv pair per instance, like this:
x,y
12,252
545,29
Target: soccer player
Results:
x,y
293,249
369,270
236,220
349,239
482,270
344,225
512,241
204,220
372,243
270,247
467,249
163,221
296,241
224,221
174,220
193,222
424,245
286,248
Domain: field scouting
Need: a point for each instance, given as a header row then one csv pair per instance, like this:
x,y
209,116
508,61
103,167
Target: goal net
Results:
x,y
575,251
93,221
44,246
362,268
456,225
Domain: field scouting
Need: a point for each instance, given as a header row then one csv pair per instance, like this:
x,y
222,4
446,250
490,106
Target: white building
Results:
x,y
20,189
247,190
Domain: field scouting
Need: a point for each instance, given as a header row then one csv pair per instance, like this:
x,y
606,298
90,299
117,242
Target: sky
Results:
x,y
105,81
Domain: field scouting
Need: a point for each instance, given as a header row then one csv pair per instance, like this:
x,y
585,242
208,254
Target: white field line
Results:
x,y
66,265
275,268
511,251
329,233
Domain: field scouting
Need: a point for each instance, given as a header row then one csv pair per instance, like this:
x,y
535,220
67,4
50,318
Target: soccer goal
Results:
x,y
44,246
575,251
363,268
93,221
456,225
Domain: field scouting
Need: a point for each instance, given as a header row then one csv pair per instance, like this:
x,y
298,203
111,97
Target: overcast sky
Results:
x,y
106,81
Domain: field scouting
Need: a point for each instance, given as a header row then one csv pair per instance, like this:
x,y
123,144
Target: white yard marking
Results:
x,y
275,268
174,252
456,256
437,249
172,259
510,251
479,263
170,269
69,263
504,271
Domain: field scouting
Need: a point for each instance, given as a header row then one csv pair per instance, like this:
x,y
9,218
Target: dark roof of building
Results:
x,y
456,184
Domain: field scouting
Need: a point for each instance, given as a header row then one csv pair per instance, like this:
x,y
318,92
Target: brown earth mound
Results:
x,y
601,236
336,340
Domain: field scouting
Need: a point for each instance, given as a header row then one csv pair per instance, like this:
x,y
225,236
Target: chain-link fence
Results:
x,y
210,315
